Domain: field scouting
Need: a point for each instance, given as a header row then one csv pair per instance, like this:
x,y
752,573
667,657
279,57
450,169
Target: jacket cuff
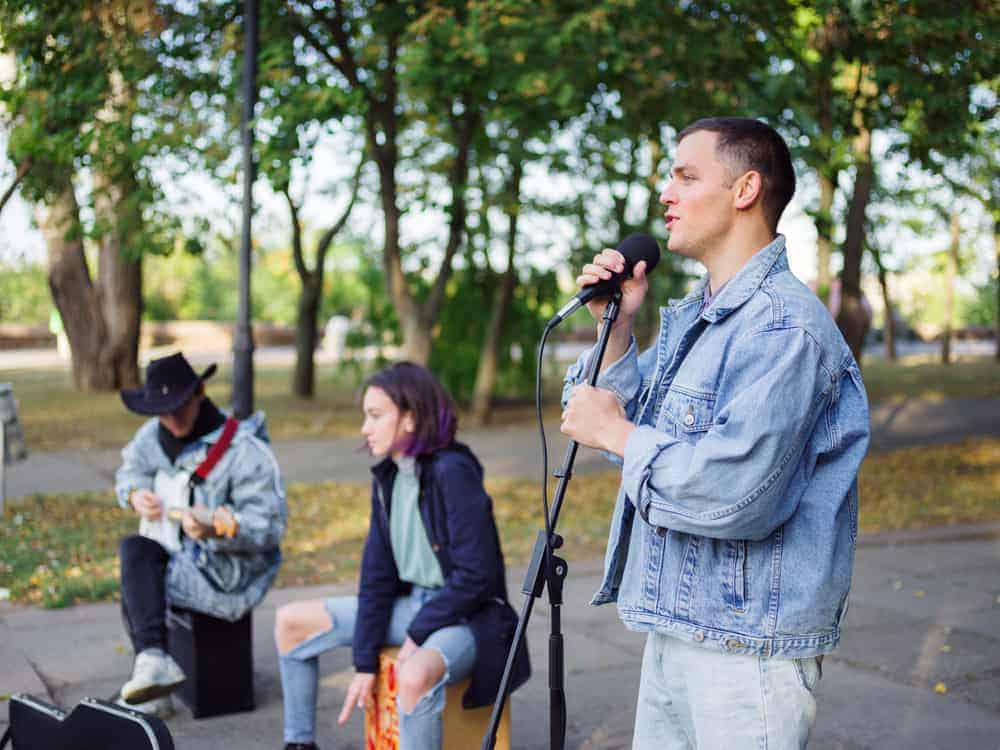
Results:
x,y
622,376
366,667
417,636
125,493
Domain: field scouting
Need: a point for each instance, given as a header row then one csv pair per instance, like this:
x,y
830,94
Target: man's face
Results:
x,y
698,198
180,422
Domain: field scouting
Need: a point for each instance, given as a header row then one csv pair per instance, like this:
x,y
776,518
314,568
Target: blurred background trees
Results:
x,y
433,170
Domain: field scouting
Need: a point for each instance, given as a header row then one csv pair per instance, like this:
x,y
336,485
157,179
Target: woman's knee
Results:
x,y
296,622
416,678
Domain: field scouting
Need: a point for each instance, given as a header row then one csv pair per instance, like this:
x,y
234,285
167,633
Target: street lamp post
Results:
x,y
242,398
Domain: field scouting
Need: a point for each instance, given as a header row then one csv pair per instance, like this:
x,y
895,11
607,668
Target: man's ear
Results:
x,y
748,189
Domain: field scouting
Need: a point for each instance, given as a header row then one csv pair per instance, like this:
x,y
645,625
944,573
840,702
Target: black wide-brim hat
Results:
x,y
170,382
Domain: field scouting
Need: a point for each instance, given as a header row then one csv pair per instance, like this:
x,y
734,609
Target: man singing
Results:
x,y
196,565
740,434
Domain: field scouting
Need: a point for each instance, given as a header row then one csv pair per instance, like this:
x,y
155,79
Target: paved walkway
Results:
x,y
925,609
510,451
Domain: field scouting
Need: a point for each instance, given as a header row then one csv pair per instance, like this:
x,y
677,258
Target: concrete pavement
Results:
x,y
925,609
508,451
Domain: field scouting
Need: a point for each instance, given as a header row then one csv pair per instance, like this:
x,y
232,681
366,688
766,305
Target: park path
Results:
x,y
511,451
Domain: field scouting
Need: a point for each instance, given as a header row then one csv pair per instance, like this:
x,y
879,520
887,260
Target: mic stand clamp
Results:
x,y
549,571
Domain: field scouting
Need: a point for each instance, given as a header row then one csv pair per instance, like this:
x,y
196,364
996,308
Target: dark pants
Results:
x,y
144,596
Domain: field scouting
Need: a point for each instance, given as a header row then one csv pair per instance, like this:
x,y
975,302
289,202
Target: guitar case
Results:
x,y
91,725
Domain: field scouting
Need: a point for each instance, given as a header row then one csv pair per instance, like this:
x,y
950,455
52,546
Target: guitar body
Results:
x,y
91,725
174,491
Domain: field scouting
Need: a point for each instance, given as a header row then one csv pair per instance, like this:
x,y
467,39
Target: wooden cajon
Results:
x,y
462,728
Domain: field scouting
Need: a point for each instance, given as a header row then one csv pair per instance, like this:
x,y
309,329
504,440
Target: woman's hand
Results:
x,y
360,693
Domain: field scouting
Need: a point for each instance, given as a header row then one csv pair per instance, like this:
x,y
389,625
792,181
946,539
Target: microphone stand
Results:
x,y
548,570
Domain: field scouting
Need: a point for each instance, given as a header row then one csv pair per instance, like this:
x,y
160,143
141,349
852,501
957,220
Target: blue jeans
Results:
x,y
695,697
420,729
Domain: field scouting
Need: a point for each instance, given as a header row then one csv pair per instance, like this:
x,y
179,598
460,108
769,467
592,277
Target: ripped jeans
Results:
x,y
418,730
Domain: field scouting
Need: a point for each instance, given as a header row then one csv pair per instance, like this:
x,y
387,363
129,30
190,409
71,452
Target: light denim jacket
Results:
x,y
752,424
219,576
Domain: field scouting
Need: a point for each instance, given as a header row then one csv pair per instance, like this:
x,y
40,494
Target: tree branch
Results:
x,y
458,179
327,238
22,170
300,261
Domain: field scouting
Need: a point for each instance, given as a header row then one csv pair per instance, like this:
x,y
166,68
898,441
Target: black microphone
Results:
x,y
635,247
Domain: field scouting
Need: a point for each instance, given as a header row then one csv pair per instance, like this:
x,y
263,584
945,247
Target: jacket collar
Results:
x,y
772,258
385,470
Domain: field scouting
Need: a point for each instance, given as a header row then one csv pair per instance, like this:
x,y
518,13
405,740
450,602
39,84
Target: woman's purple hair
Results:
x,y
414,389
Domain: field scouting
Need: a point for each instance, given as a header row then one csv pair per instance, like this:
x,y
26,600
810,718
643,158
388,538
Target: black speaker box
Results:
x,y
217,657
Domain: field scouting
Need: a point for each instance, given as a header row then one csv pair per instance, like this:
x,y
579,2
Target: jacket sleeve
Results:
x,y
137,470
376,595
472,547
257,496
628,378
731,484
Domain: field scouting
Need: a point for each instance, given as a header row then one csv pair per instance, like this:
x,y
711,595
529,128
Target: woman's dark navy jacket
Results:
x,y
458,516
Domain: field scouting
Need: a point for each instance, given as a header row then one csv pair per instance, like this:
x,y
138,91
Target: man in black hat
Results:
x,y
211,501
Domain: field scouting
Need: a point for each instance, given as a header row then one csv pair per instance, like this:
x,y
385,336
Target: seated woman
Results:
x,y
432,575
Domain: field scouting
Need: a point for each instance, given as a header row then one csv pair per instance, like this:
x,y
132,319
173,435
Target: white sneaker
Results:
x,y
161,708
154,675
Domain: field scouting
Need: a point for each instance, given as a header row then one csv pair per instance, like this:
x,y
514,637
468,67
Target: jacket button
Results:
x,y
732,645
699,636
436,547
661,531
689,419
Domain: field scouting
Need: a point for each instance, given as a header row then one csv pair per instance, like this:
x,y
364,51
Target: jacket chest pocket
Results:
x,y
686,413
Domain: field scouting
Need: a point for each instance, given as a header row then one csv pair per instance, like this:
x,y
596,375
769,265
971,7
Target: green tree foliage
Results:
x,y
24,295
463,323
847,70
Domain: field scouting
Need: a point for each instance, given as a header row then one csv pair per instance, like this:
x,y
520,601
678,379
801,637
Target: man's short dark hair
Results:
x,y
746,144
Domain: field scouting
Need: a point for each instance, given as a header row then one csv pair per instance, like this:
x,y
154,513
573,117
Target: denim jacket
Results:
x,y
219,576
736,521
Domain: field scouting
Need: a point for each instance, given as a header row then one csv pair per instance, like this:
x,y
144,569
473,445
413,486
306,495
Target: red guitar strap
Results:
x,y
216,452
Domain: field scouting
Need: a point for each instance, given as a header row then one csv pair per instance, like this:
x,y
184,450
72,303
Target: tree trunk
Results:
x,y
853,318
489,359
416,339
996,248
120,278
951,273
73,293
824,236
890,319
306,335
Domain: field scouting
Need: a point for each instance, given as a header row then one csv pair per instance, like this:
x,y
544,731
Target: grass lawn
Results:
x,y
55,416
57,550
925,377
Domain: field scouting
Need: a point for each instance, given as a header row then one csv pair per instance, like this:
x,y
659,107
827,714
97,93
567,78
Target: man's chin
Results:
x,y
676,245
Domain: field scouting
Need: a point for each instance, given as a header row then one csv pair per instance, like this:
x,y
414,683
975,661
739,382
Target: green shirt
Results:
x,y
415,559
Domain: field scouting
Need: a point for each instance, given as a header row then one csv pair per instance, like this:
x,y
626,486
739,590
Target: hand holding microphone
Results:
x,y
624,268
593,416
